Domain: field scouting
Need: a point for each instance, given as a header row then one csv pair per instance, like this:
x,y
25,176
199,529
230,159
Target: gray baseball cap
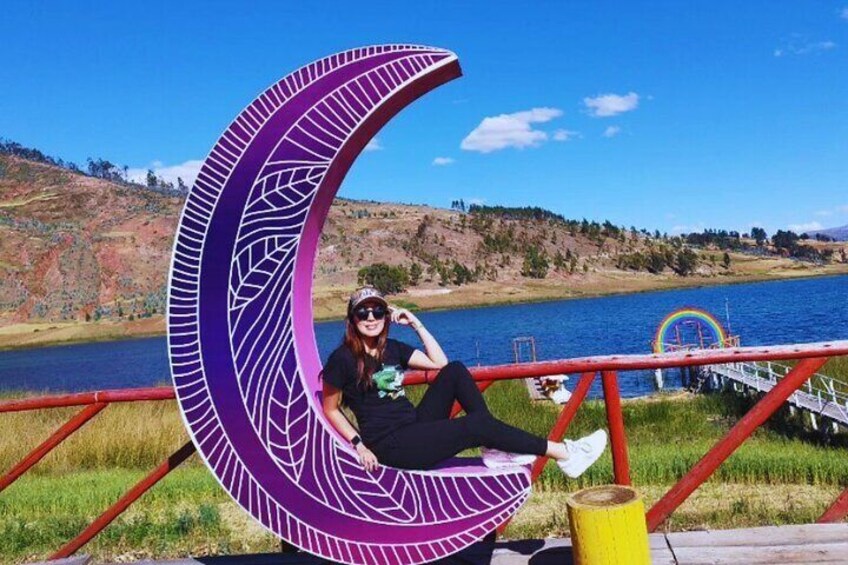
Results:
x,y
365,293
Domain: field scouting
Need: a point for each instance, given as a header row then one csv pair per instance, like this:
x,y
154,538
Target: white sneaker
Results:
x,y
582,453
495,458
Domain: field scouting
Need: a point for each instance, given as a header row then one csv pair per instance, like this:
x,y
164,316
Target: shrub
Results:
x,y
535,263
388,279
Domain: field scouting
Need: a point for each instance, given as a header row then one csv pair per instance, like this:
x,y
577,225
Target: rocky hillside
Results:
x,y
77,248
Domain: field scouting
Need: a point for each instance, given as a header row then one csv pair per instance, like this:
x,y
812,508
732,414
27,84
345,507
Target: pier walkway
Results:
x,y
821,396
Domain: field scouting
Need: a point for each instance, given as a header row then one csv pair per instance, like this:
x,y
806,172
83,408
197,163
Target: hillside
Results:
x,y
837,234
74,247
84,258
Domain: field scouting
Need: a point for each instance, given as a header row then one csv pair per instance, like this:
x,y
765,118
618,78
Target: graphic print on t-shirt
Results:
x,y
389,382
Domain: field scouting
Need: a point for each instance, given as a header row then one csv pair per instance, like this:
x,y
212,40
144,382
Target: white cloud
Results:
x,y
373,145
612,131
186,171
606,105
844,13
801,228
509,130
830,212
442,161
803,48
565,135
686,228
477,201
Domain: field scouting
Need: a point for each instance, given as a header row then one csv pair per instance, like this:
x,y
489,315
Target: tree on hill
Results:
x,y
784,240
560,262
656,262
722,239
9,147
458,205
686,262
535,263
415,273
759,235
103,169
461,274
515,213
388,279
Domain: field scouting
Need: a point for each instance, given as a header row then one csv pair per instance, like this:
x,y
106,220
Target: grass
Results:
x,y
187,513
783,474
123,436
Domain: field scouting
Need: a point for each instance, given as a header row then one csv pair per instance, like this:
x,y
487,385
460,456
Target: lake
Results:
x,y
766,313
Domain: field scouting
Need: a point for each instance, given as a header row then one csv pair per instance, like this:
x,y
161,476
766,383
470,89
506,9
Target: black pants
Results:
x,y
436,436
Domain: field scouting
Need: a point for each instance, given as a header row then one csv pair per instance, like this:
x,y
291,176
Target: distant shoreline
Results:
x,y
735,282
62,333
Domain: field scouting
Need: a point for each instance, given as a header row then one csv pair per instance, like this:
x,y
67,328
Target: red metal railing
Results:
x,y
811,356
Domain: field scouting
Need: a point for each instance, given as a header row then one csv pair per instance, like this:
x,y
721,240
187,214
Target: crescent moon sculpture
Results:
x,y
240,327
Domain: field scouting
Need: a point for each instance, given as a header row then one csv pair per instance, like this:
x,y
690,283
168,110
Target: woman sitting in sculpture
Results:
x,y
366,374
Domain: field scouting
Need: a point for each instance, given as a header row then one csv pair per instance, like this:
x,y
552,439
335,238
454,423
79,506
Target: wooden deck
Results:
x,y
808,543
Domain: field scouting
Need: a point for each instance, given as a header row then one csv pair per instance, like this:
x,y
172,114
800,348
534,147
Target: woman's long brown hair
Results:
x,y
355,343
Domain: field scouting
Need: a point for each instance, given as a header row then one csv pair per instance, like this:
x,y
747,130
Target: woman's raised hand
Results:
x,y
366,457
404,317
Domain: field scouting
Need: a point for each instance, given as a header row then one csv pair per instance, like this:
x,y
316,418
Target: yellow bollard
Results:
x,y
608,526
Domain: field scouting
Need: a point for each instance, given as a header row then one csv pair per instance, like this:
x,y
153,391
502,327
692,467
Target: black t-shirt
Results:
x,y
383,407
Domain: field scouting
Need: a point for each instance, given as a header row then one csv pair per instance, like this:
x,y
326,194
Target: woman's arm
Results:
x,y
434,358
331,403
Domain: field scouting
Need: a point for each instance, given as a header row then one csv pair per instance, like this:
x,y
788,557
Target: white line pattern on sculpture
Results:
x,y
263,276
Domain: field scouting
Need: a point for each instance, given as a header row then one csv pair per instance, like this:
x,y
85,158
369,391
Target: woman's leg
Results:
x,y
453,382
435,437
423,444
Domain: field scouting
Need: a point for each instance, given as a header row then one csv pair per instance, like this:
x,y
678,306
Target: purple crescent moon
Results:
x,y
240,327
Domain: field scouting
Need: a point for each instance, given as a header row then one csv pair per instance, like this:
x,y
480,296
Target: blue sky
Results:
x,y
665,115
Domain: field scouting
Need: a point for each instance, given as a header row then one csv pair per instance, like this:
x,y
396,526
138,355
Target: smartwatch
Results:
x,y
355,440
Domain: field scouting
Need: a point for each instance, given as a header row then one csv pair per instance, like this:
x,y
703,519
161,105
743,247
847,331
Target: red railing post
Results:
x,y
837,510
131,496
565,417
734,438
47,445
615,421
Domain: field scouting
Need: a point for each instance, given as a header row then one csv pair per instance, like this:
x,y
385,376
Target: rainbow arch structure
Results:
x,y
241,339
667,328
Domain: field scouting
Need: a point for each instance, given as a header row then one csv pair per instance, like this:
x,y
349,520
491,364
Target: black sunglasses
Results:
x,y
362,312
